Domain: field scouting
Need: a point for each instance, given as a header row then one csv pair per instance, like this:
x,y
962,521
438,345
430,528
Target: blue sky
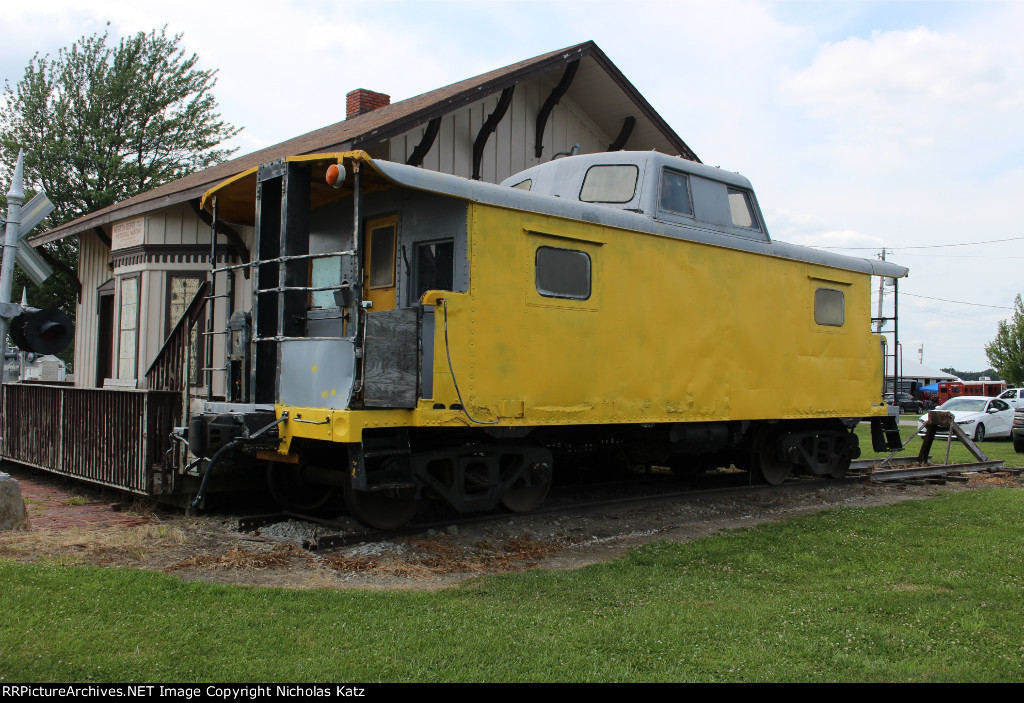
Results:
x,y
895,124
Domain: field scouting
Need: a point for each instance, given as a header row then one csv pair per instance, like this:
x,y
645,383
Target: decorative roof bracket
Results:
x,y
488,128
627,129
556,94
421,150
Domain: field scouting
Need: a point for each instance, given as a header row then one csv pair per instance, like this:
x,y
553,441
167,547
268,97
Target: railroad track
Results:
x,y
580,499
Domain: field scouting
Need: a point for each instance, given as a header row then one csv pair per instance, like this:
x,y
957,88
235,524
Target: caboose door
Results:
x,y
379,262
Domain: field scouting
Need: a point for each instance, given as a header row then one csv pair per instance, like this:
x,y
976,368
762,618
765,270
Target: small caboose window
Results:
x,y
675,192
324,272
434,266
609,184
563,273
524,185
739,207
829,307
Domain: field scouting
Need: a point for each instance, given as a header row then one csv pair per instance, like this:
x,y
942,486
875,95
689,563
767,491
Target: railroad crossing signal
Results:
x,y
33,330
34,266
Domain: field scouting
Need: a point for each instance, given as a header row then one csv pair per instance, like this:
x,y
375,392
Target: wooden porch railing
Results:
x,y
107,436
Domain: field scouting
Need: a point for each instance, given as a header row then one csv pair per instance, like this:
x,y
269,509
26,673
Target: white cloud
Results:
x,y
914,94
907,68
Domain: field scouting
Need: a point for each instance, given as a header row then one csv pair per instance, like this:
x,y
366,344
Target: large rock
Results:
x,y
12,506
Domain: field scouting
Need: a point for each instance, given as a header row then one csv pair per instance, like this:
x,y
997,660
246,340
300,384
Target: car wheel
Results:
x,y
1018,445
979,434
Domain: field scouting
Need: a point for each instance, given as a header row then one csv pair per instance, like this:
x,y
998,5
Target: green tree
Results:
x,y
1006,351
100,124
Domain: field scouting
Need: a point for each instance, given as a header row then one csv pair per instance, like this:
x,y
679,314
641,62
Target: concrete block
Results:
x,y
13,515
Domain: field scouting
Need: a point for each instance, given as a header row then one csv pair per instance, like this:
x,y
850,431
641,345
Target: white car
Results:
x,y
978,416
1013,396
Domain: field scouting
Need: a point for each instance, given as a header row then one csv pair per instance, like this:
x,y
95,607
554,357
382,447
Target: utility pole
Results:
x,y
881,293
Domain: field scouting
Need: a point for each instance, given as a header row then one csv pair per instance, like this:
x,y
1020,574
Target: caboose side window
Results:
x,y
829,307
524,185
609,184
563,273
675,193
739,206
434,266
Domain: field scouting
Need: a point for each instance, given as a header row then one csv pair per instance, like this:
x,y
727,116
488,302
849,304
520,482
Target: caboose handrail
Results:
x,y
280,259
283,289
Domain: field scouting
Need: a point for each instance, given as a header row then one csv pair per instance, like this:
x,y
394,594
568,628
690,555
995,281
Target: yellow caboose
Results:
x,y
415,335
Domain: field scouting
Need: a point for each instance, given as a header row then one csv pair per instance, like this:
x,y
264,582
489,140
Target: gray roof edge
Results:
x,y
513,198
105,217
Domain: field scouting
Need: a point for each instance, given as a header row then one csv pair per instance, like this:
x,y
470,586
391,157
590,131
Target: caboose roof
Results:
x,y
236,204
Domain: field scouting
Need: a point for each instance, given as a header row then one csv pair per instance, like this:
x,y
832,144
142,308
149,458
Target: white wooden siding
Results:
x,y
510,148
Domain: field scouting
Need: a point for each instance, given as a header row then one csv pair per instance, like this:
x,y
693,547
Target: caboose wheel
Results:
x,y
523,499
381,510
841,467
289,487
774,471
765,459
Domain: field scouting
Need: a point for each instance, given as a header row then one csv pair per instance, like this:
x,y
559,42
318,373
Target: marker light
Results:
x,y
336,175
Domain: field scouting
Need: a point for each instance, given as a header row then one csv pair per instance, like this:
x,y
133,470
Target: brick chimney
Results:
x,y
361,101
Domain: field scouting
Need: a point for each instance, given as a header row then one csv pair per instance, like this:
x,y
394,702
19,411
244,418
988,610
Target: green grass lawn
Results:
x,y
921,591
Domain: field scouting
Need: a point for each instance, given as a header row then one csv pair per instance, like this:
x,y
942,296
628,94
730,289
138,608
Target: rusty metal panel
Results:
x,y
107,436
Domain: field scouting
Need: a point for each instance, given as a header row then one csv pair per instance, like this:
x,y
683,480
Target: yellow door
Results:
x,y
379,262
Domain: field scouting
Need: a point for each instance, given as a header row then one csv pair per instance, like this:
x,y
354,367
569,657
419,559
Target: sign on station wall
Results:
x,y
130,233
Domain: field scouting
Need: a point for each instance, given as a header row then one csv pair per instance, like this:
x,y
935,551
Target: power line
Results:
x,y
933,246
939,314
961,256
958,302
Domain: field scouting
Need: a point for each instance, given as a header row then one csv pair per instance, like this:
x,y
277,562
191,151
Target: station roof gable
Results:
x,y
599,88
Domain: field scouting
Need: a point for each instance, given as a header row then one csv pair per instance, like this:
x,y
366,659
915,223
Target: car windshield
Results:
x,y
967,405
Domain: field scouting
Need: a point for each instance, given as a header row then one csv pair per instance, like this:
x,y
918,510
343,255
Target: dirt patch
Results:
x,y
211,548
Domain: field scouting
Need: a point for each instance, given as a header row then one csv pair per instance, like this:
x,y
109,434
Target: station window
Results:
x,y
609,184
180,291
829,307
675,192
742,212
563,273
128,346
